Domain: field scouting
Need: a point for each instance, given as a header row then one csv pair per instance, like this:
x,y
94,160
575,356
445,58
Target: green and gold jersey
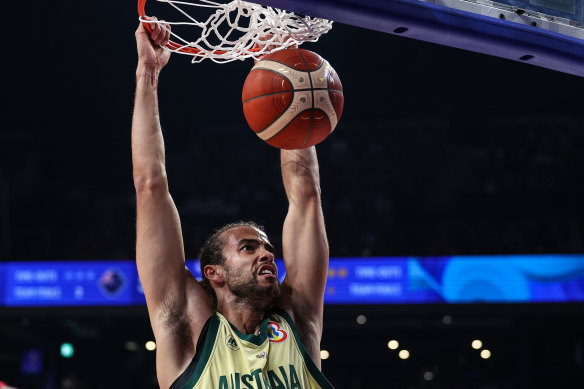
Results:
x,y
274,359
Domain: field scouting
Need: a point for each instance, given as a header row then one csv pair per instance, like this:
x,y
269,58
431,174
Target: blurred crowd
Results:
x,y
389,188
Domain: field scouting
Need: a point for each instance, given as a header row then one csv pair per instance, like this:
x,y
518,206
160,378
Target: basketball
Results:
x,y
292,99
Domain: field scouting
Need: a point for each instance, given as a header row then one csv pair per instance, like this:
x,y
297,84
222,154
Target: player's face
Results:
x,y
250,269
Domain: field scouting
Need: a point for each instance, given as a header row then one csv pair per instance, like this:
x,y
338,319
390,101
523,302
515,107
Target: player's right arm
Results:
x,y
178,307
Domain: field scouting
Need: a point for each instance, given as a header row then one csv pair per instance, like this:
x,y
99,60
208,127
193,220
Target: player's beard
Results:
x,y
247,288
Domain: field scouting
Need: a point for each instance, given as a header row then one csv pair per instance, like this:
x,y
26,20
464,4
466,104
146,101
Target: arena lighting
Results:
x,y
324,354
67,350
485,354
361,319
428,376
150,345
404,354
447,319
393,344
131,346
477,344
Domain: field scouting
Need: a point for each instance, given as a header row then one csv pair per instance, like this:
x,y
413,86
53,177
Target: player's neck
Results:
x,y
245,318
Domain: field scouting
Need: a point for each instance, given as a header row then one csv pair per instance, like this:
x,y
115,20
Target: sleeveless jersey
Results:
x,y
274,359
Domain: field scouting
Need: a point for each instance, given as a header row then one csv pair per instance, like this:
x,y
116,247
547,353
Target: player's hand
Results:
x,y
150,44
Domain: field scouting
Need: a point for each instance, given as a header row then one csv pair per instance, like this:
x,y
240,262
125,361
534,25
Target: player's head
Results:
x,y
245,257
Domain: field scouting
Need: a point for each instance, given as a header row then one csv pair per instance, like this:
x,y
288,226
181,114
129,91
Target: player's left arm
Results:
x,y
305,246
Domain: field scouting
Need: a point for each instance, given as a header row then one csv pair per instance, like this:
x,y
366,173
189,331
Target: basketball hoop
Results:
x,y
238,30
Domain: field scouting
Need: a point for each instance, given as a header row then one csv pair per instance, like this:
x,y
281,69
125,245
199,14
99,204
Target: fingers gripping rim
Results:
x,y
171,44
142,13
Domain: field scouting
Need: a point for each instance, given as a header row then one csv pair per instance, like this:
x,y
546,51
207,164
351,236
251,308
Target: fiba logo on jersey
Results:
x,y
275,333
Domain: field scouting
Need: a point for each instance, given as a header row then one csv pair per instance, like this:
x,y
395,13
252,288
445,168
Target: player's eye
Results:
x,y
246,247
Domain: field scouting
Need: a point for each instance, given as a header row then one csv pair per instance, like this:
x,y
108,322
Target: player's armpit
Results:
x,y
167,284
178,331
177,305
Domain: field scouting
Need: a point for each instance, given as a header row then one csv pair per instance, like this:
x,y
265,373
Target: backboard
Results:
x,y
545,33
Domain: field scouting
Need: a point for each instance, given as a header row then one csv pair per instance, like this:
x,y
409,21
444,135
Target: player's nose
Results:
x,y
266,255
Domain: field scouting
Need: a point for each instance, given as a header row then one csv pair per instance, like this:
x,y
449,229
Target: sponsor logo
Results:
x,y
231,343
275,333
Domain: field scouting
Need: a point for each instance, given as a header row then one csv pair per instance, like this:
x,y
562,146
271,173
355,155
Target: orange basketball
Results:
x,y
292,99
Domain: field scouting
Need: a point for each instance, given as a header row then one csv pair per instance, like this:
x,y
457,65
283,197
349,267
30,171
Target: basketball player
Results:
x,y
250,331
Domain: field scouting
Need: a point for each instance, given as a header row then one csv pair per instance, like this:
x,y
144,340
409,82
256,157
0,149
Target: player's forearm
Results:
x,y
148,157
304,241
300,174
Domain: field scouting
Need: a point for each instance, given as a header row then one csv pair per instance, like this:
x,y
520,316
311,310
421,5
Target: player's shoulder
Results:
x,y
305,323
306,327
299,310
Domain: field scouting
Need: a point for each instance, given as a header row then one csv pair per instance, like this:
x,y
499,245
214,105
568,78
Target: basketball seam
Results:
x,y
285,64
310,128
311,121
327,118
269,94
292,91
311,92
275,93
291,120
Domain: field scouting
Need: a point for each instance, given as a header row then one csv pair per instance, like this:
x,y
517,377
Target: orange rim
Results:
x,y
171,44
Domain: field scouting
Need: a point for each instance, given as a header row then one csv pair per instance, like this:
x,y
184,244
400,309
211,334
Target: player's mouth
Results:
x,y
268,271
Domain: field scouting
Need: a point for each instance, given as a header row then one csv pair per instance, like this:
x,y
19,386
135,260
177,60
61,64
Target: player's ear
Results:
x,y
214,273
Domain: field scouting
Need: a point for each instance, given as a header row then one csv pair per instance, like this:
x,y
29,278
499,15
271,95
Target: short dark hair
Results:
x,y
212,252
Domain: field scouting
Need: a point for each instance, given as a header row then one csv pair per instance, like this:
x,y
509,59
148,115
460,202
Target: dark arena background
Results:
x,y
442,157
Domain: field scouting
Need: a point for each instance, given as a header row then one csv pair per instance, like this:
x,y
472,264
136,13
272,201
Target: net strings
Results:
x,y
240,30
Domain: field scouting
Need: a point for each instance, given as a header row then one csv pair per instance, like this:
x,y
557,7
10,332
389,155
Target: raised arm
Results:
x,y
304,245
178,307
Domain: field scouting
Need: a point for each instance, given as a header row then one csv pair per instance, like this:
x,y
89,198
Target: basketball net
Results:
x,y
238,30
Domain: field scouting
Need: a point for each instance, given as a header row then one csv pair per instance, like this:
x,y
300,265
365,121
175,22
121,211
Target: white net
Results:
x,y
239,30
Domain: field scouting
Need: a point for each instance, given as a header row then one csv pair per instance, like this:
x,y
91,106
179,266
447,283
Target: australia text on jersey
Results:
x,y
280,378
